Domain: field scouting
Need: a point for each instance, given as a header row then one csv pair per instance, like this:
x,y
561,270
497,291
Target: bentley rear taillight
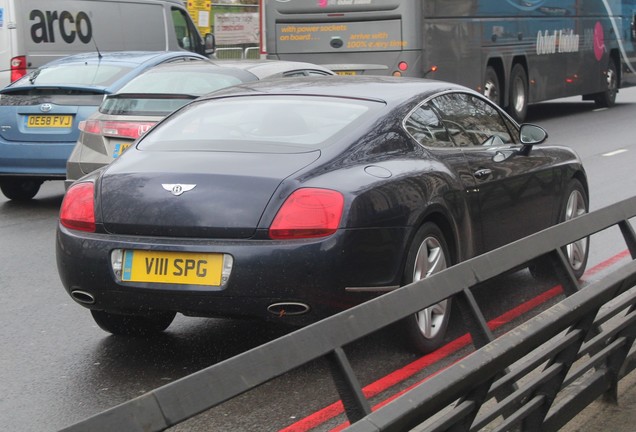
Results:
x,y
308,213
78,208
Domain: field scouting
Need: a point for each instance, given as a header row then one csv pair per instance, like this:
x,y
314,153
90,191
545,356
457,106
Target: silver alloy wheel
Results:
x,y
576,251
519,92
430,259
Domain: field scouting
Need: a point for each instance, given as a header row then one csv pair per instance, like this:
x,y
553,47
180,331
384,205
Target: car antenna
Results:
x,y
99,54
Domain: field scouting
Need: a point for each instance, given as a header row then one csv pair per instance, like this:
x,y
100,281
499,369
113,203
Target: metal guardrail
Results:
x,y
537,376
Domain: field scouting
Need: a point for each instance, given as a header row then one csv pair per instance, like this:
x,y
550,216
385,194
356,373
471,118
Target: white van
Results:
x,y
34,32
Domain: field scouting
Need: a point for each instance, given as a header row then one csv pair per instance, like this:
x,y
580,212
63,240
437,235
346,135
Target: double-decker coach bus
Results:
x,y
515,52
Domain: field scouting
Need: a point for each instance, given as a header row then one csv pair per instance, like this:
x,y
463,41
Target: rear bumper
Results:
x,y
316,273
35,159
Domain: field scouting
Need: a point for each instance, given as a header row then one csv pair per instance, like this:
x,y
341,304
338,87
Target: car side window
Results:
x,y
513,129
185,36
305,72
296,73
426,128
471,121
312,72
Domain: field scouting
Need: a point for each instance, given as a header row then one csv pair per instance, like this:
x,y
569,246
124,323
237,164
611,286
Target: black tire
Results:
x,y
133,325
492,86
607,98
518,94
20,189
428,254
575,204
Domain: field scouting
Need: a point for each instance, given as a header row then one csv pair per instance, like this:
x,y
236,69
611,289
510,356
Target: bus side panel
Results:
x,y
452,46
556,43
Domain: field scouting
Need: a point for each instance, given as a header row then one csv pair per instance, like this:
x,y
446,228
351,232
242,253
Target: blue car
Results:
x,y
40,113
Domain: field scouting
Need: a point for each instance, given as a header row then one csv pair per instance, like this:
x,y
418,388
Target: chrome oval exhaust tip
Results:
x,y
287,309
82,297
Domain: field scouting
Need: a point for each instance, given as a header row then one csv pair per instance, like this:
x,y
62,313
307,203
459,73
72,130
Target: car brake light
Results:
x,y
18,67
78,209
119,129
308,213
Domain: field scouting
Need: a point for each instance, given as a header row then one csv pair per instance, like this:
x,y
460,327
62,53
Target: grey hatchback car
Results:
x,y
144,101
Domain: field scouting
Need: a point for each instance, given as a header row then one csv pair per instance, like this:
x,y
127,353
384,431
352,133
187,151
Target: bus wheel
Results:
x,y
518,101
607,98
492,88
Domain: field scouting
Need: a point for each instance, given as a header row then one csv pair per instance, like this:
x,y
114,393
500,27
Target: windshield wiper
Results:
x,y
34,76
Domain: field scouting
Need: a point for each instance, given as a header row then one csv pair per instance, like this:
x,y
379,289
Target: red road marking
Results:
x,y
319,417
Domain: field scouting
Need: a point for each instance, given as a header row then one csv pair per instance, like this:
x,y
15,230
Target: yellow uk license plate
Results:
x,y
346,73
49,121
172,267
119,148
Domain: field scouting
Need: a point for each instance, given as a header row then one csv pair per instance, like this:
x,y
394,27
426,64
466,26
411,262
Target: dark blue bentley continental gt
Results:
x,y
292,200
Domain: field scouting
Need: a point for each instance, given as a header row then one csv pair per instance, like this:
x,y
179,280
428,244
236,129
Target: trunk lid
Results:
x,y
221,195
50,115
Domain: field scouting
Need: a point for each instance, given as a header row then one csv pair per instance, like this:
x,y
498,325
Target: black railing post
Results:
x,y
481,335
473,318
355,403
615,362
564,272
629,236
565,359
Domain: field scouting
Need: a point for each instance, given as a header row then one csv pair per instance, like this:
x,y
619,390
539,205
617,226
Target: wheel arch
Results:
x,y
582,178
521,60
497,65
443,222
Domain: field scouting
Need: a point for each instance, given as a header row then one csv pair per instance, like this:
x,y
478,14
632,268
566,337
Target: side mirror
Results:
x,y
210,44
532,134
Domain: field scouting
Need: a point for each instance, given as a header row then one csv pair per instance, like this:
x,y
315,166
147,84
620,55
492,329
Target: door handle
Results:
x,y
482,173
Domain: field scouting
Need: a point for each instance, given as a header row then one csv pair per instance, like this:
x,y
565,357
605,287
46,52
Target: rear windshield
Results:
x,y
161,92
74,75
183,82
270,124
143,106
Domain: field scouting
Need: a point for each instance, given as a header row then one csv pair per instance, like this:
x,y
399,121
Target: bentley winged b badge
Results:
x,y
177,189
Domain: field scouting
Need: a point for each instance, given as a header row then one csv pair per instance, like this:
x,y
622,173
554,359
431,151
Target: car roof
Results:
x,y
128,57
391,90
135,61
192,66
267,68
